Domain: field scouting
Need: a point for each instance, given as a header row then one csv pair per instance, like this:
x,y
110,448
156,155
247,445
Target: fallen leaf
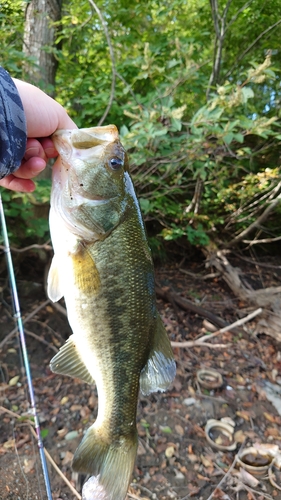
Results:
x,y
64,400
240,380
141,449
169,452
192,457
206,461
239,436
9,444
28,465
272,431
179,430
14,380
75,407
244,414
269,417
67,458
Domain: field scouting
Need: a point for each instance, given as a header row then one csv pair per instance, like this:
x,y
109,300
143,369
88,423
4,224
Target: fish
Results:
x,y
103,268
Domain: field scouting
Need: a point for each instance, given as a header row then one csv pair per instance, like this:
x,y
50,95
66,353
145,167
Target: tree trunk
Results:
x,y
39,38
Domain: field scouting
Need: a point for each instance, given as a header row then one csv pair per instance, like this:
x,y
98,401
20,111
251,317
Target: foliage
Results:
x,y
27,214
11,36
204,152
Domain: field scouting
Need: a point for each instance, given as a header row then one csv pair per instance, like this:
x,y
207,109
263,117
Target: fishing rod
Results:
x,y
18,318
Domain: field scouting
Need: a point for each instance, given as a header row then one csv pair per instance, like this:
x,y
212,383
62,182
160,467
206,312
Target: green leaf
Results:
x,y
247,93
238,137
228,138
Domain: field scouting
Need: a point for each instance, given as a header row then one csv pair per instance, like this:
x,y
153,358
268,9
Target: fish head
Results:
x,y
89,180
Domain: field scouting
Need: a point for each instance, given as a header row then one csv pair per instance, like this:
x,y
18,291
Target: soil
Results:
x,y
175,460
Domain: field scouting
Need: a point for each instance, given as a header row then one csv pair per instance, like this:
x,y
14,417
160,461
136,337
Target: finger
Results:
x,y
15,184
49,147
34,148
30,168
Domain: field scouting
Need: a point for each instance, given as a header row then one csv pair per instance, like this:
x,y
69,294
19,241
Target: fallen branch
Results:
x,y
45,246
43,341
199,343
187,305
201,340
239,322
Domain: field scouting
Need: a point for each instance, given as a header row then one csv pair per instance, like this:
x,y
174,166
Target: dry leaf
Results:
x,y
67,458
13,381
272,431
193,458
244,414
239,437
9,444
269,417
28,465
141,449
169,452
75,407
179,430
240,380
206,461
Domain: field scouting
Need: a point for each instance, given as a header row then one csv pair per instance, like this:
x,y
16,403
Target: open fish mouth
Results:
x,y
83,140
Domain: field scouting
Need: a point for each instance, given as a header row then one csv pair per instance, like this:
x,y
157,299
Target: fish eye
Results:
x,y
116,163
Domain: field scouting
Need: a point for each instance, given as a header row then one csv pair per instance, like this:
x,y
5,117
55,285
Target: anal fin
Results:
x,y
160,369
68,362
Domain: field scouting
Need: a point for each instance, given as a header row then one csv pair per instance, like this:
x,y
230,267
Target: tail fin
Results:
x,y
112,462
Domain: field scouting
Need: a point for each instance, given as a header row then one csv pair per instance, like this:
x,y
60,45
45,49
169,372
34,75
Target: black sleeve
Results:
x,y
12,126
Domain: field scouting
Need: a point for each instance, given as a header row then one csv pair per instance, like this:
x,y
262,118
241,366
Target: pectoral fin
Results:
x,y
68,362
54,286
160,369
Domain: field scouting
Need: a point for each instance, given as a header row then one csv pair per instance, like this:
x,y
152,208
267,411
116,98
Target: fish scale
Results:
x,y
102,266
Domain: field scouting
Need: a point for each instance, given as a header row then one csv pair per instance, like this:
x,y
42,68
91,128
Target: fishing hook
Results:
x,y
18,318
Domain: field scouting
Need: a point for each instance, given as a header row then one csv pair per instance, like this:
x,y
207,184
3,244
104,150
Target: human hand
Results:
x,y
43,117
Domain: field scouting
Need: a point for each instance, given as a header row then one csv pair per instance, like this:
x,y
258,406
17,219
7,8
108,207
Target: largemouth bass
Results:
x,y
102,266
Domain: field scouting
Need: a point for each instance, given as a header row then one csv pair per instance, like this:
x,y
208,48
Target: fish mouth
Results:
x,y
83,140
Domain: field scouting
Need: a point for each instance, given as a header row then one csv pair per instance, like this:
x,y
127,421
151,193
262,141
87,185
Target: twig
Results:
x,y
31,334
111,52
239,322
259,242
199,343
233,19
257,222
45,246
143,488
251,46
129,88
25,320
59,308
201,340
228,472
60,473
13,414
257,263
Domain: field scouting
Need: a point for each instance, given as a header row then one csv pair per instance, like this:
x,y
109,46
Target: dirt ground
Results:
x,y
175,460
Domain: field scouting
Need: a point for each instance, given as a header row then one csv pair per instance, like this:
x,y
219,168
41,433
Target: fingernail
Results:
x,y
30,152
